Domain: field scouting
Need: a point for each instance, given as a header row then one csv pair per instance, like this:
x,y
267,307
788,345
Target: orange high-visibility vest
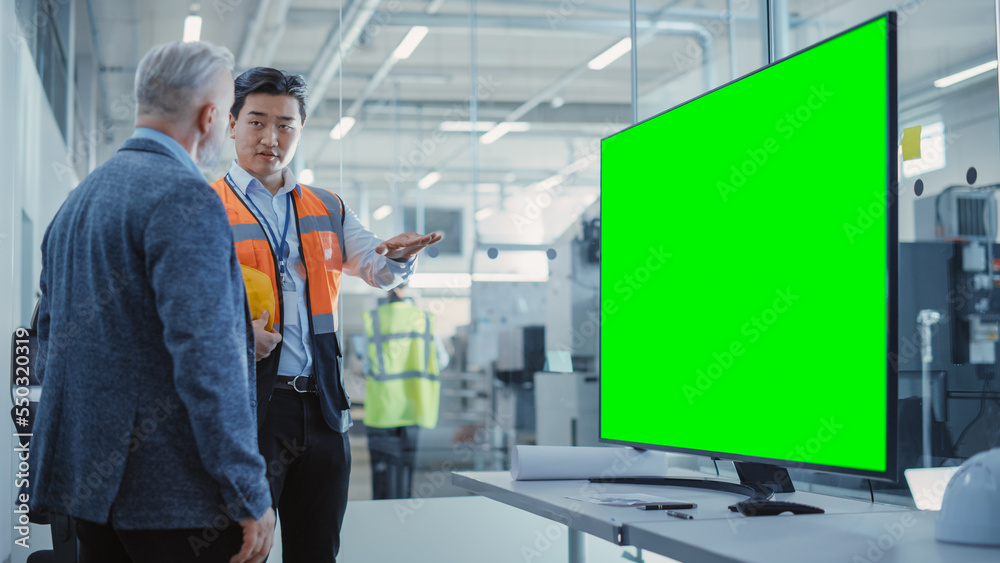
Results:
x,y
319,218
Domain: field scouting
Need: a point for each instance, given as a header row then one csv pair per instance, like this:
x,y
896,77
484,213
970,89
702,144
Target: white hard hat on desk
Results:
x,y
970,511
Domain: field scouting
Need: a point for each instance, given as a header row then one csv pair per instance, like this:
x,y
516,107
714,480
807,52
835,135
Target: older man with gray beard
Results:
x,y
145,432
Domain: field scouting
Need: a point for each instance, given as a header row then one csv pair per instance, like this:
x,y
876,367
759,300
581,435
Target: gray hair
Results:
x,y
174,75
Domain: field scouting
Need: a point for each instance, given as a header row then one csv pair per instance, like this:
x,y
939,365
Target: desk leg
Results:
x,y
577,546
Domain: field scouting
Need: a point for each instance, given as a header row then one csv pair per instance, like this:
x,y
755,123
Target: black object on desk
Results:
x,y
760,507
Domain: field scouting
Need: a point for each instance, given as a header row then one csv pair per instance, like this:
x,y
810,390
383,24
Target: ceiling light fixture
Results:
x,y
307,176
485,213
611,55
410,42
439,280
965,74
382,212
486,277
502,129
466,126
429,180
342,127
192,28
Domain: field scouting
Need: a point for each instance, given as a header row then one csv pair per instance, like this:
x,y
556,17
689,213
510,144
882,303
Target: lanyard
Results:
x,y
281,249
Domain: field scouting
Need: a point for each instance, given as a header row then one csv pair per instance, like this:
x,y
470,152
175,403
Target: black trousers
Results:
x,y
101,543
393,453
308,467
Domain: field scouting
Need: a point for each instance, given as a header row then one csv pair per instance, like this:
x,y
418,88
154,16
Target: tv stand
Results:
x,y
759,481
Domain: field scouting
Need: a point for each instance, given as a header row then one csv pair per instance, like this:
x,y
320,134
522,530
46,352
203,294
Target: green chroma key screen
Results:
x,y
748,265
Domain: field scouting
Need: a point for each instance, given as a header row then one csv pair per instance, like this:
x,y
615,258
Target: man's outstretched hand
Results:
x,y
402,248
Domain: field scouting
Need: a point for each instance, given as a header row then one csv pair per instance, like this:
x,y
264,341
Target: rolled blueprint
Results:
x,y
570,462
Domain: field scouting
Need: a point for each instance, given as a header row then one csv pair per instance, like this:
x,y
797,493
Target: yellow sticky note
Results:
x,y
911,143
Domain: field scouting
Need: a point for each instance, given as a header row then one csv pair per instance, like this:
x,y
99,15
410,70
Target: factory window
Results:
x,y
44,26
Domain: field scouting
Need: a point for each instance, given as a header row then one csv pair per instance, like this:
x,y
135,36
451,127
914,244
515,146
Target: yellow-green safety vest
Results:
x,y
403,383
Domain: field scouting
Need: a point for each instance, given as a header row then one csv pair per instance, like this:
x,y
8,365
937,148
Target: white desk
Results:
x,y
885,537
719,535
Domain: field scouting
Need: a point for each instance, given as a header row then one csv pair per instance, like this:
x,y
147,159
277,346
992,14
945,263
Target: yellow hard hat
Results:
x,y
259,294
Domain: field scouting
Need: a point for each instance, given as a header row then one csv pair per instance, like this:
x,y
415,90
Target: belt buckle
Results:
x,y
296,387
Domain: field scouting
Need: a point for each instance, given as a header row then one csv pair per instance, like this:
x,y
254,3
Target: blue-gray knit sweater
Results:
x,y
146,416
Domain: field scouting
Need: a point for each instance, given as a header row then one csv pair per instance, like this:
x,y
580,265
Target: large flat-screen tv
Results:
x,y
748,267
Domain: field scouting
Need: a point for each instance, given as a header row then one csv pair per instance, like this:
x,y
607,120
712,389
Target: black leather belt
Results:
x,y
300,383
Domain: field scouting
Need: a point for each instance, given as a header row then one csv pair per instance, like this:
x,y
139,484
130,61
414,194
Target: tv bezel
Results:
x,y
892,275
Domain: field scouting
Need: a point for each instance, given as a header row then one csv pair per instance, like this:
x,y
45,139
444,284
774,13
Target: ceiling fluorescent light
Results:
x,y
442,281
307,176
611,55
410,42
343,126
965,74
429,180
502,129
466,126
192,28
382,212
485,213
510,277
489,187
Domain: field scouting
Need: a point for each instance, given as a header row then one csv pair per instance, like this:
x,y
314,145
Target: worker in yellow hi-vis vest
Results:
x,y
403,366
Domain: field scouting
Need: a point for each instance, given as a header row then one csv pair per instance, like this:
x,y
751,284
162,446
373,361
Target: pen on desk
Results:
x,y
681,515
667,506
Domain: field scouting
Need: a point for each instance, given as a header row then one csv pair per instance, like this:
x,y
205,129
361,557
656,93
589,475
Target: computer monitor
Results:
x,y
748,268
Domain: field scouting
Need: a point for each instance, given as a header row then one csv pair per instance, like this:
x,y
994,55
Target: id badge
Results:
x,y
291,317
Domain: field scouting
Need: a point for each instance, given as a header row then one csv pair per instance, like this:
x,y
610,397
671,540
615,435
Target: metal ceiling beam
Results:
x,y
275,31
340,39
250,40
309,16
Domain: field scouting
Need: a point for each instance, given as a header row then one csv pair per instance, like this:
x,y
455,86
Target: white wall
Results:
x,y
33,185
